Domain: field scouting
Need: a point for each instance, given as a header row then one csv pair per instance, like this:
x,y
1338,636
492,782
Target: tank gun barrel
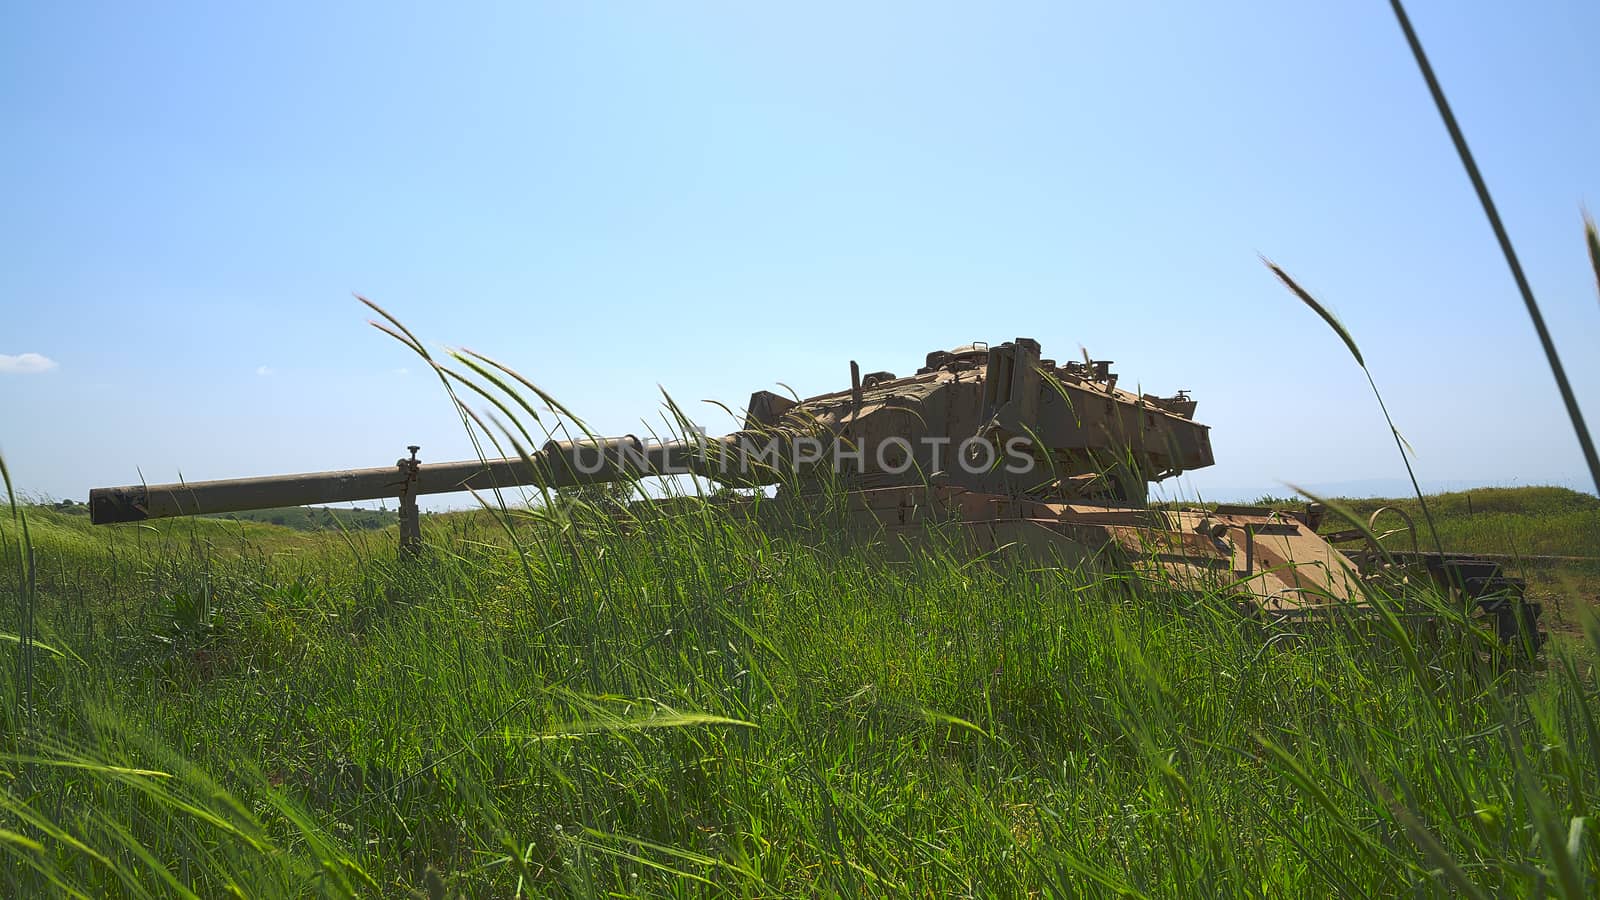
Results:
x,y
558,464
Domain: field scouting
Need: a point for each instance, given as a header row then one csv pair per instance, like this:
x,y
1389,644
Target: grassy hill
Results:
x,y
1524,521
688,706
319,518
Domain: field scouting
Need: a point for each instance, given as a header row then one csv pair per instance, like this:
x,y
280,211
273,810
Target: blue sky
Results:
x,y
718,197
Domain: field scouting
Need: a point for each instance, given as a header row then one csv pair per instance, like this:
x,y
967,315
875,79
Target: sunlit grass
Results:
x,y
705,698
702,706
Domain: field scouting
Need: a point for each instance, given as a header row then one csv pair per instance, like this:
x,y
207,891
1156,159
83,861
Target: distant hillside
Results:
x,y
317,518
1554,521
300,518
1524,520
1519,520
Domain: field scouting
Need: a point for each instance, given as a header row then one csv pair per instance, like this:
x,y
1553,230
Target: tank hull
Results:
x,y
1272,565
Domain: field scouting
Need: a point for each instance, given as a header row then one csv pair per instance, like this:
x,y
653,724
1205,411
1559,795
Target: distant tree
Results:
x,y
605,496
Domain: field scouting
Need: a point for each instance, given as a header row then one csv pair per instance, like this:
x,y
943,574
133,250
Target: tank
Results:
x,y
1022,453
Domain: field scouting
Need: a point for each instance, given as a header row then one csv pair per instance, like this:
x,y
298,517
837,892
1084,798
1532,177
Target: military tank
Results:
x,y
1022,453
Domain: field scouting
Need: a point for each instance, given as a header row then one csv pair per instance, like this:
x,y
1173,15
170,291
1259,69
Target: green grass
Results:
x,y
686,705
1528,521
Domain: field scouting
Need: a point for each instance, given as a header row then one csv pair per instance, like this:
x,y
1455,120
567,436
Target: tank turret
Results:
x,y
998,419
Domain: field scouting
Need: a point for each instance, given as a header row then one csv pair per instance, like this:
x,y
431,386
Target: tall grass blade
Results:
x,y
1316,307
1592,238
1350,342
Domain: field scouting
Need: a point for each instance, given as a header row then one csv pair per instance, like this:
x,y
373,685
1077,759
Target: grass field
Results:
x,y
684,705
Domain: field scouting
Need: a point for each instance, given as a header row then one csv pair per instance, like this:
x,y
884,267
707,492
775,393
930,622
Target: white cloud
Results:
x,y
25,364
402,371
265,371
